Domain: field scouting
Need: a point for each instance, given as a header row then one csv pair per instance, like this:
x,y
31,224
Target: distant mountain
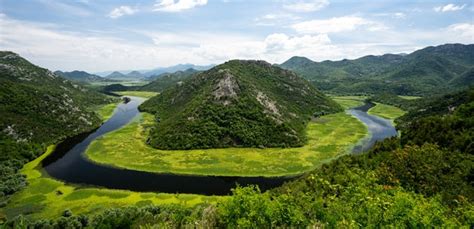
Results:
x,y
432,69
135,74
238,103
175,68
82,76
166,80
116,75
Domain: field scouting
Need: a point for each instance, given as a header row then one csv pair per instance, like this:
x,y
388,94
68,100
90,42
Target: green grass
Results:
x,y
409,97
144,94
45,197
106,111
125,83
386,111
329,137
349,101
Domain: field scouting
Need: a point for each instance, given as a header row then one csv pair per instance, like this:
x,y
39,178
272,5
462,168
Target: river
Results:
x,y
68,163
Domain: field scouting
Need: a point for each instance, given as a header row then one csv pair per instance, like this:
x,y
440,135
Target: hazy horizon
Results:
x,y
139,35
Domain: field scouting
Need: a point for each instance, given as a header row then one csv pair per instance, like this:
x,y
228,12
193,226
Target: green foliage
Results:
x,y
454,130
429,170
393,185
249,208
38,108
432,70
239,103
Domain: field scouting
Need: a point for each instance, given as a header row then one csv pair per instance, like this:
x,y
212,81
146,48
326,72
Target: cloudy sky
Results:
x,y
102,35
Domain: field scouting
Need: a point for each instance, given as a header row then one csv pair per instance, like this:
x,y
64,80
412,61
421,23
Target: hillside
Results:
x,y
238,103
38,108
82,76
426,71
165,80
135,74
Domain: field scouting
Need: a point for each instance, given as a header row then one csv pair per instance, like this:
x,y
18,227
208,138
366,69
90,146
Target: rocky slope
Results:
x,y
238,103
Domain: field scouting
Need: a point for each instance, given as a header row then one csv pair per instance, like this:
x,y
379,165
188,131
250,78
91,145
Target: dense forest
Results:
x,y
38,108
238,103
432,70
422,182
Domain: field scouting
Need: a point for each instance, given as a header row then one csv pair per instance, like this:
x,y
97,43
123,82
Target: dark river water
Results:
x,y
379,128
69,164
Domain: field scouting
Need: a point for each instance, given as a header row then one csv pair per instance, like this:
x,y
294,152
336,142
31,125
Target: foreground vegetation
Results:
x,y
328,137
396,184
46,198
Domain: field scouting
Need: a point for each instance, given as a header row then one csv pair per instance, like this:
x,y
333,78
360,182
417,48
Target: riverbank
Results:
x,y
328,137
45,197
386,111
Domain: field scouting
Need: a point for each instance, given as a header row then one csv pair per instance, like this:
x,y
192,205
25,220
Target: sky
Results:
x,y
106,35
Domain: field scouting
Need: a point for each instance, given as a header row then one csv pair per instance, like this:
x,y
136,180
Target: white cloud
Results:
x,y
275,19
177,5
122,11
336,24
78,51
449,7
278,42
463,30
399,15
306,5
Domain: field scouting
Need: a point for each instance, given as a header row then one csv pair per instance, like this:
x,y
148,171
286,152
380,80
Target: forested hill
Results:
x,y
166,80
82,76
426,71
238,103
37,109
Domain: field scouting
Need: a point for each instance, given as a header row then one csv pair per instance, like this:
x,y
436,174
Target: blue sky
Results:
x,y
102,35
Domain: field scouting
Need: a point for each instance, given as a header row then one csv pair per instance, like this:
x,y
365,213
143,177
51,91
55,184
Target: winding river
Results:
x,y
69,164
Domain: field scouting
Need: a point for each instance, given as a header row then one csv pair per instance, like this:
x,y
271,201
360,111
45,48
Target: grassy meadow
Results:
x,y
106,111
408,97
328,137
386,111
349,101
144,94
45,197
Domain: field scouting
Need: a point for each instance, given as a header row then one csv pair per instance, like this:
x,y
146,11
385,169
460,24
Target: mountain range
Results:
x,y
156,71
425,71
82,76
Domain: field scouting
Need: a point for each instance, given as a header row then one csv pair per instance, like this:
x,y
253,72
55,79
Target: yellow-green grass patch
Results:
x,y
143,94
386,111
349,101
328,137
106,111
45,197
407,97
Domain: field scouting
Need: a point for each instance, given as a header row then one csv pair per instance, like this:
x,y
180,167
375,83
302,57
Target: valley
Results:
x,y
329,137
244,134
236,114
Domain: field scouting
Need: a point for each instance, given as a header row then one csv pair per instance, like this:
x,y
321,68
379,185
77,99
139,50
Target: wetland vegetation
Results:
x,y
328,137
395,183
